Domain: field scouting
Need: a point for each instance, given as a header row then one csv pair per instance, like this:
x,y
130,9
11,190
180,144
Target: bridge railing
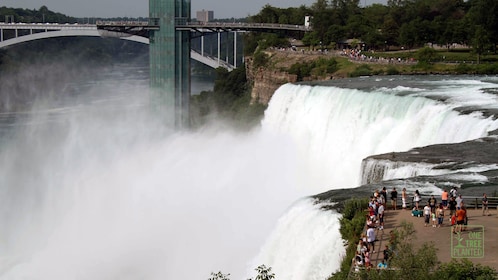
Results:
x,y
122,23
243,26
42,26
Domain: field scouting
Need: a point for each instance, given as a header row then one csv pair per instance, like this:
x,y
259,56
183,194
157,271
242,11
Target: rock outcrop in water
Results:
x,y
472,166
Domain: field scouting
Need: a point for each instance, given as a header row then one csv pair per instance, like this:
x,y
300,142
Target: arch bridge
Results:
x,y
17,33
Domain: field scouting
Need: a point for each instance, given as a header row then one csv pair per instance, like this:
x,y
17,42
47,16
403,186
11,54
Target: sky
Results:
x,y
139,8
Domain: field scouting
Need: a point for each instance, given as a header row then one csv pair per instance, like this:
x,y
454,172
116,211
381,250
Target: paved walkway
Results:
x,y
446,241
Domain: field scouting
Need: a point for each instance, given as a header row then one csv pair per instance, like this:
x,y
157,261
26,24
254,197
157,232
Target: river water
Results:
x,y
96,188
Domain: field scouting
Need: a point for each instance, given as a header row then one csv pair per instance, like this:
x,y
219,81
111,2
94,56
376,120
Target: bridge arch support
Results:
x,y
94,32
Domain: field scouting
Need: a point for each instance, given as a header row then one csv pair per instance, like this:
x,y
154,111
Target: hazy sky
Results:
x,y
136,8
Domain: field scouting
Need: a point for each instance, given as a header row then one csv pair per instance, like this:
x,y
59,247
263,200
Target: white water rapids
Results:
x,y
103,192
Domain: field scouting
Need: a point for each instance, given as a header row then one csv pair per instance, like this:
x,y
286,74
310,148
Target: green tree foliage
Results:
x,y
229,100
260,59
319,68
483,14
219,276
264,273
352,224
362,70
422,263
464,269
270,14
480,42
35,16
400,23
426,55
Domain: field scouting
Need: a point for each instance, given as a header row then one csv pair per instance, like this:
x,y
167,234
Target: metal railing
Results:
x,y
469,201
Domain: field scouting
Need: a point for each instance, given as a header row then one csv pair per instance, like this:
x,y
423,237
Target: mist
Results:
x,y
97,188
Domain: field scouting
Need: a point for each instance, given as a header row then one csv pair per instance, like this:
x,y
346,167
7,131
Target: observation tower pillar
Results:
x,y
169,52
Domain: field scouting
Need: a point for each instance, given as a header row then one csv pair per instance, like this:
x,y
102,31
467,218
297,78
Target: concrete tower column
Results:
x,y
169,52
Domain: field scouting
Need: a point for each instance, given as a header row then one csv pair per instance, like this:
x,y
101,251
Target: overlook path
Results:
x,y
442,237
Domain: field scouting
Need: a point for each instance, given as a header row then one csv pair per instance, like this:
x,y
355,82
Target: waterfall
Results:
x,y
336,128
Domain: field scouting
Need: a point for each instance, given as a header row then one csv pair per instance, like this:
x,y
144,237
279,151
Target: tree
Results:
x,y
264,273
426,55
464,269
219,276
480,42
484,13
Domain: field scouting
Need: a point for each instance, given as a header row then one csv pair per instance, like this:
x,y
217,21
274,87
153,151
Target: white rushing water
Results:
x,y
101,191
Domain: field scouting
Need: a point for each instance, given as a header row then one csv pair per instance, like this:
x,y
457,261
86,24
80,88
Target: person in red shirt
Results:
x,y
460,219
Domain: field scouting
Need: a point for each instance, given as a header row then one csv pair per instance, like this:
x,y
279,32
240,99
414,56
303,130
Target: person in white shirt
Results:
x,y
427,214
371,238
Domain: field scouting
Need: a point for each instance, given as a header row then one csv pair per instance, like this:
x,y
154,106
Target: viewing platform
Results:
x,y
444,239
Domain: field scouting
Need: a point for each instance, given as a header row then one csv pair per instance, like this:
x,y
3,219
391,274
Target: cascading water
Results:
x,y
101,191
337,128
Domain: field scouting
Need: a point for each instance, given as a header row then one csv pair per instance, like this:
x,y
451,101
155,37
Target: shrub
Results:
x,y
362,70
392,71
261,59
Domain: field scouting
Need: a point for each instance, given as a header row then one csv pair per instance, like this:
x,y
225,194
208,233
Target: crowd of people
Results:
x,y
451,205
375,222
357,55
434,213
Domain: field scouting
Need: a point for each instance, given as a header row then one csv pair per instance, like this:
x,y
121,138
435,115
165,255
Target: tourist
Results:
x,y
433,218
485,211
444,198
432,203
358,262
452,205
403,198
359,246
465,217
416,199
459,201
453,223
381,217
427,214
371,239
367,259
386,254
383,193
453,192
394,198
460,219
440,215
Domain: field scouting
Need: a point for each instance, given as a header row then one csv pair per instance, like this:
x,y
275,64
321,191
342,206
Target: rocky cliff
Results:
x,y
266,80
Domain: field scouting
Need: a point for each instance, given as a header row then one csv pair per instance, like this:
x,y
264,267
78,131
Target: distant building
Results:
x,y
205,16
307,21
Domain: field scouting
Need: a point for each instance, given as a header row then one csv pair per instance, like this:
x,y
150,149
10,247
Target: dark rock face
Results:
x,y
480,151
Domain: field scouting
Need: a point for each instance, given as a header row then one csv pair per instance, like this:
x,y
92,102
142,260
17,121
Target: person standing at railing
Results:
x,y
452,205
444,199
394,198
416,199
403,198
485,210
